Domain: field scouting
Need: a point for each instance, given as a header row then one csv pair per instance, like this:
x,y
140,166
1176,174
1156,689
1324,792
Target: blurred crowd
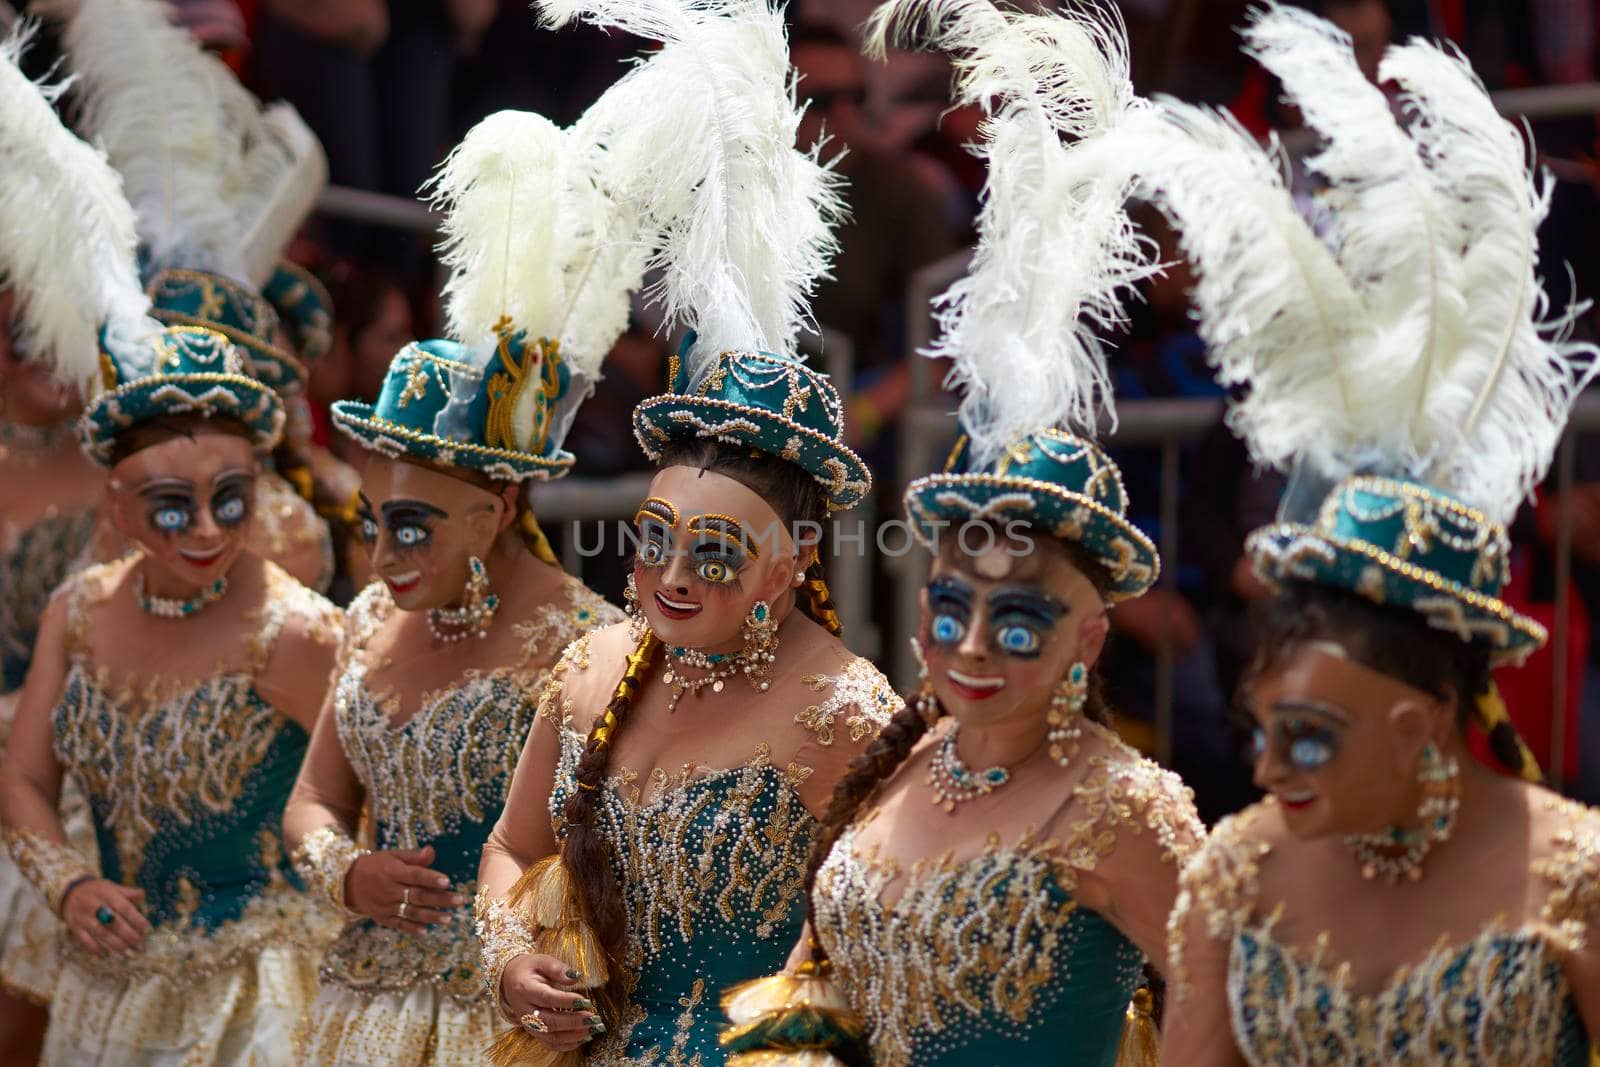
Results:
x,y
389,85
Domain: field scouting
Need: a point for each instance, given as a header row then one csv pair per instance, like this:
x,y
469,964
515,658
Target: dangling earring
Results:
x,y
926,704
760,632
1066,714
1436,814
476,612
630,607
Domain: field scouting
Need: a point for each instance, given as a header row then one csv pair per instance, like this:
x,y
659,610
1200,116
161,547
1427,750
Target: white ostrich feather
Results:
x,y
1395,235
1495,411
702,133
281,169
159,107
67,240
1056,248
1274,308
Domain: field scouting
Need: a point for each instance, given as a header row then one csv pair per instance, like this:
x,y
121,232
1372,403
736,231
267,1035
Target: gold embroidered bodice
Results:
x,y
712,865
440,778
992,950
1497,999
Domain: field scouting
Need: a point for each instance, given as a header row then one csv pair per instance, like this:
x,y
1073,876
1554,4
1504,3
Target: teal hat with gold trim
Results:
x,y
1052,480
534,317
216,302
774,403
304,308
181,370
1399,542
437,404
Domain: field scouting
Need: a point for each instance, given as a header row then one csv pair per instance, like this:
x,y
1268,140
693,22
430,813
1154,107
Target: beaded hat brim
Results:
x,y
220,395
357,420
1287,552
660,420
1127,554
273,365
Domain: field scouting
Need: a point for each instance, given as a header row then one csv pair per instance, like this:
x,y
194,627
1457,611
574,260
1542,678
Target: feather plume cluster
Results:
x,y
218,182
1417,341
701,135
67,240
1056,249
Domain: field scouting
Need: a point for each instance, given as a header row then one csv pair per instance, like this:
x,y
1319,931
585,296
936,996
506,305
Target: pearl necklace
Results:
x,y
951,780
1438,814
721,667
473,617
171,608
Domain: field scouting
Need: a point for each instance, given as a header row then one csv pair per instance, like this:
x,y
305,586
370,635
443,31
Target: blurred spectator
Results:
x,y
897,224
373,321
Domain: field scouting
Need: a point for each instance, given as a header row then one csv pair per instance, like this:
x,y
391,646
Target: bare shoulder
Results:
x,y
302,627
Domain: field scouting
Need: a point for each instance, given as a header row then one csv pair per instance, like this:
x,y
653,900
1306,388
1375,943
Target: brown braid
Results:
x,y
881,759
584,849
819,602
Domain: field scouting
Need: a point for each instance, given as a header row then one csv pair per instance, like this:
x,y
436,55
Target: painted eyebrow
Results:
x,y
951,589
405,508
656,508
726,527
160,483
1047,608
237,474
1310,707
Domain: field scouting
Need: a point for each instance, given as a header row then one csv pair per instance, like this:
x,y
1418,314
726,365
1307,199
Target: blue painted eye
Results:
x,y
171,520
230,512
1310,753
369,531
1258,743
947,629
1018,640
410,536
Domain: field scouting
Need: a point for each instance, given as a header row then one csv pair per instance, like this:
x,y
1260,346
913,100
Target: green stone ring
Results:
x,y
105,916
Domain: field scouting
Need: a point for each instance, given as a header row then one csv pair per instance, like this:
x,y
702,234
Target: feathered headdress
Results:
x,y
219,183
1415,343
1055,246
67,241
706,129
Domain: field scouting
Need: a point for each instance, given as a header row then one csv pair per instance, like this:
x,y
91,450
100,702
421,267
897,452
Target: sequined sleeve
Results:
x,y
1222,879
51,866
323,861
1126,795
1572,871
555,707
857,702
503,935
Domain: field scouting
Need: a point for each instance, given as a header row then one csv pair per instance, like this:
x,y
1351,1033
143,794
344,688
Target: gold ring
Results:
x,y
403,906
534,1022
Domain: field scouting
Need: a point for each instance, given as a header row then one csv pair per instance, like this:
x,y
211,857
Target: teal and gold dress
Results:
x,y
32,566
186,791
988,959
712,863
389,997
1498,1000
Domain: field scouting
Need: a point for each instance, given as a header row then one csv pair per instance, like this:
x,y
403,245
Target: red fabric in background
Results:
x,y
1528,689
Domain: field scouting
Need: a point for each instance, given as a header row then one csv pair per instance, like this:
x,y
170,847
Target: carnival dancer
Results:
x,y
446,655
1392,901
185,942
49,491
652,849
213,221
993,874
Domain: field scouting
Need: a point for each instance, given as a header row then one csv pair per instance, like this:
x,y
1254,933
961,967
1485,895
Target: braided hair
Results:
x,y
894,744
1391,640
585,852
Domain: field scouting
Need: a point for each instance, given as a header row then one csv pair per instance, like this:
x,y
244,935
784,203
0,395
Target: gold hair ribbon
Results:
x,y
533,536
1491,710
300,477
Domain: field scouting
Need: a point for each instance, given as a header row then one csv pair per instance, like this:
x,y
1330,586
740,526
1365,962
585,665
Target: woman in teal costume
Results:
x,y
448,651
653,846
993,875
1392,902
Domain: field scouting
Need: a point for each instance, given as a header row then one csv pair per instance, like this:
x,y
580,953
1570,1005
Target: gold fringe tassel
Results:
x,y
533,536
1141,1044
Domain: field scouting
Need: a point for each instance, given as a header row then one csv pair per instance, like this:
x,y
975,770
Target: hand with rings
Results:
x,y
399,888
539,992
104,917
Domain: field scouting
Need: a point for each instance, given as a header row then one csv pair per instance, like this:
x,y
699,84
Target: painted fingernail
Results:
x,y
595,1020
442,882
572,975
582,1005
